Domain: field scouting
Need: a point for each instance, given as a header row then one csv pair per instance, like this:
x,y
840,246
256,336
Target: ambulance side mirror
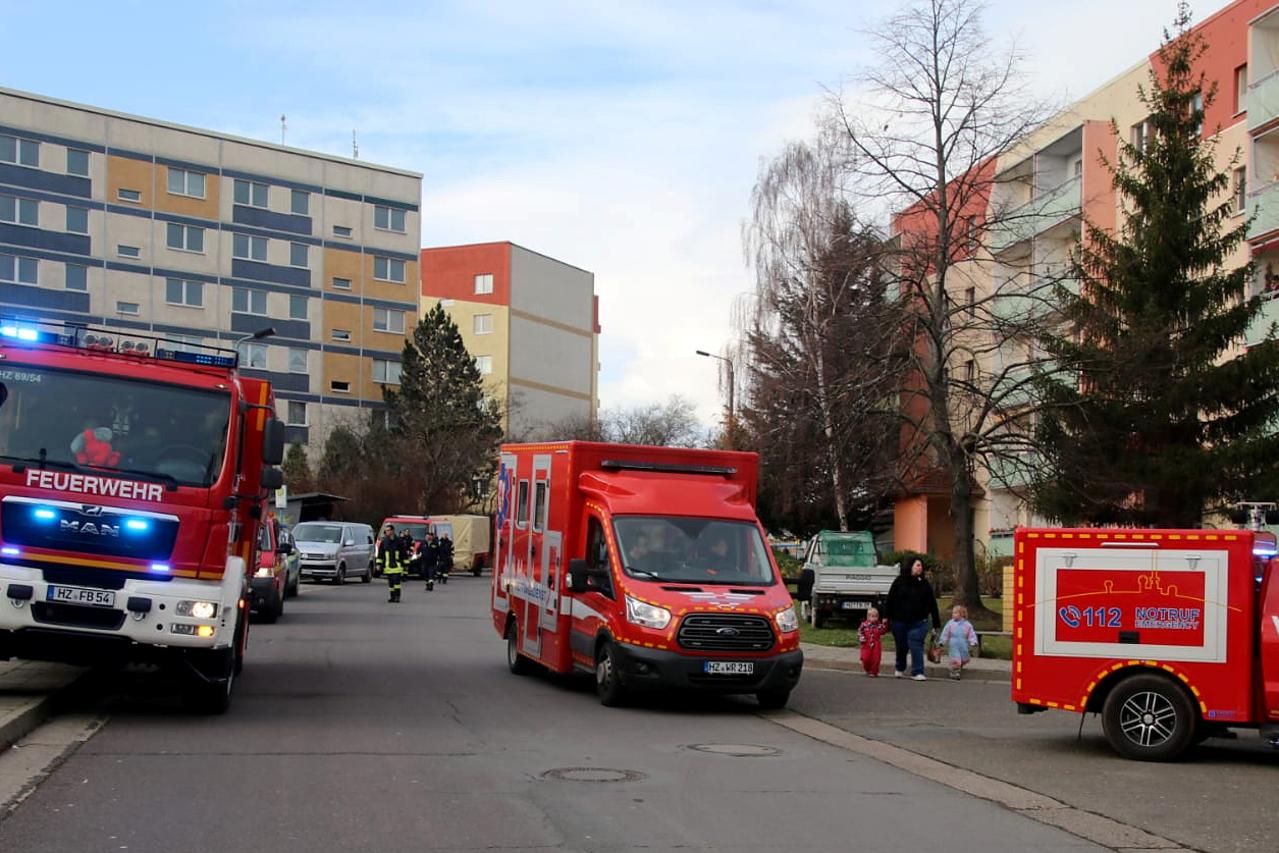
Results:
x,y
577,572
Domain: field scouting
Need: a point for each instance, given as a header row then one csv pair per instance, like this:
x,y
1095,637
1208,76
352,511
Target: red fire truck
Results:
x,y
132,476
1171,635
643,565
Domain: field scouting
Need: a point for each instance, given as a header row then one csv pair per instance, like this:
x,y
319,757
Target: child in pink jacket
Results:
x,y
871,636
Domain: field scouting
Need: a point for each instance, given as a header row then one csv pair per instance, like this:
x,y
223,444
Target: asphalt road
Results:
x,y
364,726
1222,797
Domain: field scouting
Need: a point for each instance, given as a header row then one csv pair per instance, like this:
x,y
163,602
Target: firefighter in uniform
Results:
x,y
390,563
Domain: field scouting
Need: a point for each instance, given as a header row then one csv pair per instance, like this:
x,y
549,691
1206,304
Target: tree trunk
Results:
x,y
832,453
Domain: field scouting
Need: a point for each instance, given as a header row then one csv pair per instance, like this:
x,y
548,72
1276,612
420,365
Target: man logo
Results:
x,y
88,528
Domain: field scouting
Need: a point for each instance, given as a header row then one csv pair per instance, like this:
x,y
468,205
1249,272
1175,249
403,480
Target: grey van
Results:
x,y
335,550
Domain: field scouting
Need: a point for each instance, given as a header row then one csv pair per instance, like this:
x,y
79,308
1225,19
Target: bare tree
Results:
x,y
937,114
670,424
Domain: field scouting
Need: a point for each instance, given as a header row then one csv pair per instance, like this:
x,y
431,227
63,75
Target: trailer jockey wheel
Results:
x,y
1148,718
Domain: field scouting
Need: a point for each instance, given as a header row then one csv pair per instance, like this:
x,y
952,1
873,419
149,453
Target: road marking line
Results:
x,y
33,758
1084,824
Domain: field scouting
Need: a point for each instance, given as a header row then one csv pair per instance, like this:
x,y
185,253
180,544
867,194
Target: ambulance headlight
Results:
x,y
787,621
264,572
197,609
648,615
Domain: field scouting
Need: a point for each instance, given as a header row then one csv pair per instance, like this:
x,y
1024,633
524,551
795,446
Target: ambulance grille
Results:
x,y
726,632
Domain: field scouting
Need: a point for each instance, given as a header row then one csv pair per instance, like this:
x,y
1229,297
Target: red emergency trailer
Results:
x,y
644,565
1171,635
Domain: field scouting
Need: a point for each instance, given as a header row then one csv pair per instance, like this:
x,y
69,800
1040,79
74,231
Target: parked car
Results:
x,y
269,583
293,564
335,550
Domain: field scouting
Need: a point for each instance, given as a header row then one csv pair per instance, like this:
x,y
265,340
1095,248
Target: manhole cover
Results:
x,y
593,774
743,750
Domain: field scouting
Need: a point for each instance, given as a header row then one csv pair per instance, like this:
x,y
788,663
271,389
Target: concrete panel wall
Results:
x,y
547,355
536,413
545,287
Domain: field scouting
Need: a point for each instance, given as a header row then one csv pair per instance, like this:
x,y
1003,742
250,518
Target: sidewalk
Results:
x,y
846,658
27,693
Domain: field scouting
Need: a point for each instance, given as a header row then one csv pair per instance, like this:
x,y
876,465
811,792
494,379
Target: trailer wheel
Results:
x,y
1148,718
515,661
608,677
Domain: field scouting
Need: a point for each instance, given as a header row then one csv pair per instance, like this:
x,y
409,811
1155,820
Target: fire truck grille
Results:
x,y
49,613
725,632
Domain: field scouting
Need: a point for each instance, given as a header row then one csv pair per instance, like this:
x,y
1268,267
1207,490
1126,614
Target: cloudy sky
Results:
x,y
619,136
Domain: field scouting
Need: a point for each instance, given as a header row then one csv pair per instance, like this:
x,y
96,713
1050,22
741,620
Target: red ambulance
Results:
x,y
643,565
1171,635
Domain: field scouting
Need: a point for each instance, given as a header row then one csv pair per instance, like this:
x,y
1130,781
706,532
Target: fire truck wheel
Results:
x,y
212,695
515,661
241,641
1148,718
608,678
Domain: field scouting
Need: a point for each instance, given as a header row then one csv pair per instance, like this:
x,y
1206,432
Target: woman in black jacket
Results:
x,y
909,605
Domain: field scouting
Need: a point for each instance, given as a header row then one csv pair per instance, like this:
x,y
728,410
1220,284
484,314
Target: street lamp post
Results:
x,y
732,414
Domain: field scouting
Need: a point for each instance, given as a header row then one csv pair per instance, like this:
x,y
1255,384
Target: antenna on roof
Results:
x,y
284,125
355,147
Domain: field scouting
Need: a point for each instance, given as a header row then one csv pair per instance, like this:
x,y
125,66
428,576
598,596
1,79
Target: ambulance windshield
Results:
x,y
93,424
692,550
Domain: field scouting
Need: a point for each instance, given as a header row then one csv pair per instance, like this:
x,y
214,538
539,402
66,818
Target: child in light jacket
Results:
x,y
958,637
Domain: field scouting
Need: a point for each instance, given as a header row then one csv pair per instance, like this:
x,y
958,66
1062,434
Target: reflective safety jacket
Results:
x,y
389,558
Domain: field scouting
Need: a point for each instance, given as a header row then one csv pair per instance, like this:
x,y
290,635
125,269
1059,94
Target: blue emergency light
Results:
x,y
137,524
44,514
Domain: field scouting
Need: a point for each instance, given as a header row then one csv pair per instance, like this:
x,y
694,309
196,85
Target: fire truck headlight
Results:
x,y
787,621
648,615
197,609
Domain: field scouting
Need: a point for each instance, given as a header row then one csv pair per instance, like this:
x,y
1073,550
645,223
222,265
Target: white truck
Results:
x,y
842,576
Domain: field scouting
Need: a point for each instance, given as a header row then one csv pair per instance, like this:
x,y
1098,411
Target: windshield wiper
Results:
x,y
168,479
640,573
20,463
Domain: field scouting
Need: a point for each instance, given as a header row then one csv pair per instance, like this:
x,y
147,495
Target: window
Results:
x,y
182,343
1241,88
128,251
297,360
300,203
297,307
77,162
970,370
248,247
386,371
597,556
295,413
539,506
484,363
341,231
386,320
388,269
1078,167
341,284
299,256
251,193
1197,108
484,283
183,182
77,220
179,291
184,238
245,301
128,308
1241,189
252,355
970,301
21,270
24,152
134,196
340,334
1140,135
20,211
521,505
388,219
77,277
483,324
339,387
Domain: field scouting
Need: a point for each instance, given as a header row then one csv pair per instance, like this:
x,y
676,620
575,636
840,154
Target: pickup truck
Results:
x,y
842,576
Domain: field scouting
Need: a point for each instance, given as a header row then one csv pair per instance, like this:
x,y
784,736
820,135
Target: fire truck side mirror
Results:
x,y
272,479
273,442
577,571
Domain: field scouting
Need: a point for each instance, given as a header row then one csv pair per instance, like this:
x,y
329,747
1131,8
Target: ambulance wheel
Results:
x,y
1148,718
772,700
515,661
608,677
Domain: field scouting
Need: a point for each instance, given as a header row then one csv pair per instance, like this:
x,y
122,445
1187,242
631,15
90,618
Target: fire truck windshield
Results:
x,y
102,424
704,551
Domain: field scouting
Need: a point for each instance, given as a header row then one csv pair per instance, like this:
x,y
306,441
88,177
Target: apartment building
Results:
x,y
532,324
202,237
1056,180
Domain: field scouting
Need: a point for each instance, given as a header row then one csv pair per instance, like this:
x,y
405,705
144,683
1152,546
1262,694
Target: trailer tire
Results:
x,y
516,662
1148,718
608,677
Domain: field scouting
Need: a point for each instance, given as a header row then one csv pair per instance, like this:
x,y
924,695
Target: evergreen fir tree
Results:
x,y
297,470
1161,417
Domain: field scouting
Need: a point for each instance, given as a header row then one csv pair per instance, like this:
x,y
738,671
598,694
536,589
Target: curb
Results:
x,y
840,659
24,710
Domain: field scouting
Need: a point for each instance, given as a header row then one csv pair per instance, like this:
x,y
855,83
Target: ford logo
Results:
x,y
727,632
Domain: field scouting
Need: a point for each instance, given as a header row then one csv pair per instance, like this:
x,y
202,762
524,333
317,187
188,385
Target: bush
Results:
x,y
990,575
789,565
938,570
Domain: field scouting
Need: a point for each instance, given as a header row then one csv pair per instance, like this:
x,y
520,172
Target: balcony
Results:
x,y
1014,473
1264,205
1036,216
1260,328
1263,101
